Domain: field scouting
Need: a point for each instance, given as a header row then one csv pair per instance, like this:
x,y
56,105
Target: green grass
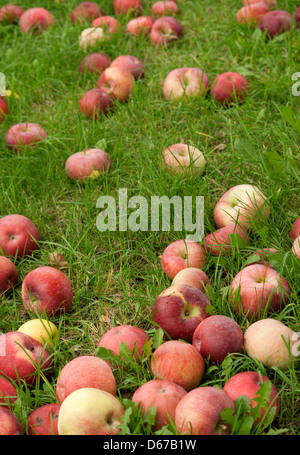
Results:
x,y
116,276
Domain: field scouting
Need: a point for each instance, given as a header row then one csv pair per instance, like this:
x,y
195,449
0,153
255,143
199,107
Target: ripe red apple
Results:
x,y
95,63
47,290
295,229
10,13
164,8
140,26
86,12
181,254
24,134
258,290
164,395
43,420
8,274
130,63
36,20
85,371
251,13
18,236
248,383
178,362
127,6
178,310
116,82
268,2
9,423
297,14
265,254
276,22
8,393
296,247
184,83
229,87
3,108
108,23
165,30
199,412
183,159
219,242
23,358
191,276
217,336
96,102
88,164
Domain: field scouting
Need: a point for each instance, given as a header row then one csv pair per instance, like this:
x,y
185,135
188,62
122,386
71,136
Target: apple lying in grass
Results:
x,y
47,290
199,412
272,343
10,425
163,395
86,12
248,383
8,274
276,22
42,330
8,393
127,6
19,237
3,108
191,276
295,229
90,411
264,255
229,87
184,83
130,63
109,24
24,134
116,82
181,254
183,159
259,290
88,164
94,63
140,26
10,13
178,362
243,204
222,241
250,14
268,2
23,358
91,37
85,371
178,310
96,102
164,8
296,247
44,420
297,14
36,20
165,30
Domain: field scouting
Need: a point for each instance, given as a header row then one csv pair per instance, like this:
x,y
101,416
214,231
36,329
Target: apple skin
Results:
x,y
116,82
108,23
42,330
10,13
229,87
275,22
178,310
183,159
8,274
36,20
94,63
259,290
43,420
216,337
182,254
295,229
178,362
130,63
164,8
198,412
9,423
165,30
268,2
242,204
20,356
272,342
90,411
250,14
297,15
86,12
184,83
191,277
96,102
140,26
24,134
248,383
90,163
296,247
218,242
47,290
164,395
127,6
8,393
85,371
18,236
3,108
265,254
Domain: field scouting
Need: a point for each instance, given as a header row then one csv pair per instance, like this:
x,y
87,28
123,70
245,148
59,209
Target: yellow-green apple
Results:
x,y
186,82
183,159
250,14
85,371
36,20
42,330
229,87
163,395
24,134
272,343
276,22
297,14
295,229
94,63
10,425
296,247
242,204
127,6
86,12
268,2
109,24
191,276
181,254
47,290
43,420
18,236
248,383
179,362
164,8
199,412
116,82
90,411
140,26
8,393
3,108
96,102
218,336
130,63
10,13
88,164
8,274
23,358
222,242
91,37
258,290
165,30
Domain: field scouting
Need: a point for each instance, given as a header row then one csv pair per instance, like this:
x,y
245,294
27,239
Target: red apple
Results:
x,y
258,290
88,164
8,274
47,290
181,254
276,22
9,423
251,13
184,83
85,371
8,393
248,383
163,395
217,336
108,23
3,108
86,12
36,20
229,87
199,412
178,310
268,2
265,254
164,8
191,276
24,134
127,6
10,13
43,420
296,247
219,243
295,229
23,358
117,82
165,30
130,63
95,63
297,14
18,236
96,102
140,26
178,362
183,159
